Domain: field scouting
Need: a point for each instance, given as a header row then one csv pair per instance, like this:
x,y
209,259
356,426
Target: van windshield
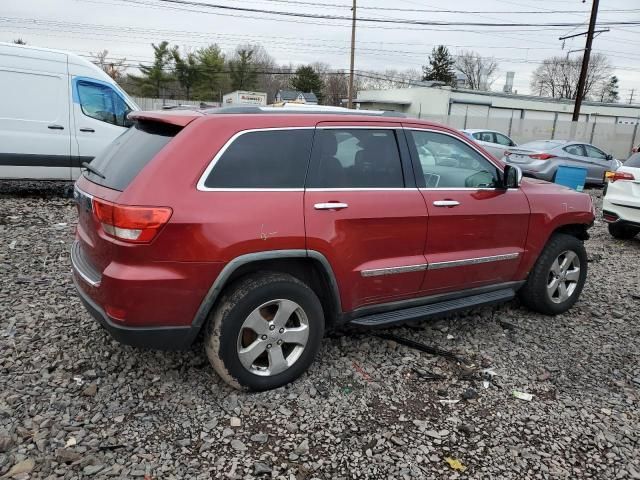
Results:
x,y
127,155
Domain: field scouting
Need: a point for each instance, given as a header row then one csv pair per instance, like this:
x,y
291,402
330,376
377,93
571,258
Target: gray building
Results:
x,y
308,98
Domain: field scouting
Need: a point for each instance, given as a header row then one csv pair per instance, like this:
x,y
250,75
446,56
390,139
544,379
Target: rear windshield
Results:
x,y
633,161
541,145
121,161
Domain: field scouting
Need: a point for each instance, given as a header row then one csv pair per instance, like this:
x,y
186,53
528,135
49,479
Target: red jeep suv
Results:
x,y
261,228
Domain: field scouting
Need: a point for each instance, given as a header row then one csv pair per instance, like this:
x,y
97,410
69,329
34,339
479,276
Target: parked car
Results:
x,y
57,111
262,230
493,142
621,202
541,159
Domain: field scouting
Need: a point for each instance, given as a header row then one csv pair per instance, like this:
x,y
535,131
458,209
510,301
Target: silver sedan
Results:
x,y
541,159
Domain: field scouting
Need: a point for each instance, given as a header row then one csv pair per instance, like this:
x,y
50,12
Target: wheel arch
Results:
x,y
578,230
309,266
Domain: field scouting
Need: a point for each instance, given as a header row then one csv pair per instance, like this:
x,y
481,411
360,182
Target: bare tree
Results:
x,y
114,68
557,77
479,71
389,79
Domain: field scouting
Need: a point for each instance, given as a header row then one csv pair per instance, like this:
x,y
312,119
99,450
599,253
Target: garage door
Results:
x,y
469,110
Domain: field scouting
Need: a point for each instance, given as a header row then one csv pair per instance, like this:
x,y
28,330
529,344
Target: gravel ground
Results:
x,y
74,403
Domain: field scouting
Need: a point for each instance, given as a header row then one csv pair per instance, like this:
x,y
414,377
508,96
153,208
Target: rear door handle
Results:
x,y
446,203
55,127
90,130
330,206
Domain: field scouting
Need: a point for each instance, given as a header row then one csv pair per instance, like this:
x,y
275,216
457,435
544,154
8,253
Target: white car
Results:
x,y
621,203
493,142
57,110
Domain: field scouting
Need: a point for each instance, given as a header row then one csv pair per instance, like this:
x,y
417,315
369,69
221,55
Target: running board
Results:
x,y
431,309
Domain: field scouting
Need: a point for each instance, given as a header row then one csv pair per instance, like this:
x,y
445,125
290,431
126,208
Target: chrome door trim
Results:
x,y
376,272
473,261
330,206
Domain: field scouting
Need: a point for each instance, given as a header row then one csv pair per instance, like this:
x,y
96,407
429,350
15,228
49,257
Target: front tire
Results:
x,y
557,278
265,331
622,232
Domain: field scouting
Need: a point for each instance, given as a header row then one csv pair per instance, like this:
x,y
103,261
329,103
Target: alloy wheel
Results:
x,y
273,337
563,277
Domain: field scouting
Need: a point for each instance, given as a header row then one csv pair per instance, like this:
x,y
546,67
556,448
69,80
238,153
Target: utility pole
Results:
x,y
631,96
585,61
353,48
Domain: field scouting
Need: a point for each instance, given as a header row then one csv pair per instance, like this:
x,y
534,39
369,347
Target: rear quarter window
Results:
x,y
263,159
128,154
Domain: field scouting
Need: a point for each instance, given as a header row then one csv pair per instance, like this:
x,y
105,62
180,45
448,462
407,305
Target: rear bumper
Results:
x,y
158,338
626,214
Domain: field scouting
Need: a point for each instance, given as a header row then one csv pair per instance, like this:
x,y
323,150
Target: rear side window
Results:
x,y
356,158
264,159
633,161
129,153
575,150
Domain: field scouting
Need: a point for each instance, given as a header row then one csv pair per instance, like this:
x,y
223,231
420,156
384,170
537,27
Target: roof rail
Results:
x,y
308,109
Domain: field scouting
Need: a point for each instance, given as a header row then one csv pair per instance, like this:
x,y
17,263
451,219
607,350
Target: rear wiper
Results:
x,y
93,170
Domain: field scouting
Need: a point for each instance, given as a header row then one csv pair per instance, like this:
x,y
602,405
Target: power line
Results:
x,y
382,20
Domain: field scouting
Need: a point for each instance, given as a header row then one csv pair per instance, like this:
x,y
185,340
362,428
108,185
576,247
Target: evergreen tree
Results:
x,y
186,70
211,65
243,71
155,77
440,66
307,80
610,90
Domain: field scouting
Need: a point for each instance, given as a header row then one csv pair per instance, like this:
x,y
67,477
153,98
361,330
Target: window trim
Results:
x,y
499,168
201,182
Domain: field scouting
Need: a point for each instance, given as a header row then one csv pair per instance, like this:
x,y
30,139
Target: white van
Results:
x,y
57,110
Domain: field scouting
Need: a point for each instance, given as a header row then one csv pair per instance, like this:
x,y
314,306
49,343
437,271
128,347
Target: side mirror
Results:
x,y
512,176
609,156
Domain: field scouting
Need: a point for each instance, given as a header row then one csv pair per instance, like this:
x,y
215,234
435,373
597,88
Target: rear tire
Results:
x,y
557,278
265,331
622,232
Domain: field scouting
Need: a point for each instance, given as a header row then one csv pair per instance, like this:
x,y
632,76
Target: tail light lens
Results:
x,y
128,223
613,176
542,156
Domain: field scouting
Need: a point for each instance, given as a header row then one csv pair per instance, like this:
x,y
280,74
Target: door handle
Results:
x,y
330,206
446,203
90,130
55,127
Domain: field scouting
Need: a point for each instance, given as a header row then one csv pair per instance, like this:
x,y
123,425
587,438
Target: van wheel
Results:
x,y
265,331
623,232
557,278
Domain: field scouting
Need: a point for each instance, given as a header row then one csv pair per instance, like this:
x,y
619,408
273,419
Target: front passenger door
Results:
x,y
477,230
598,164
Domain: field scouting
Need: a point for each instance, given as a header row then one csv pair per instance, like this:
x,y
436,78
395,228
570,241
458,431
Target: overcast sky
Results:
x,y
127,27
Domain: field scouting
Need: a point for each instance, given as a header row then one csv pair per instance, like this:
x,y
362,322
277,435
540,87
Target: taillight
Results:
x,y
542,156
128,223
613,176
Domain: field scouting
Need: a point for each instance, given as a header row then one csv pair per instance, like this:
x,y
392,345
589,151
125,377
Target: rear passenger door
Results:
x,y
364,213
477,230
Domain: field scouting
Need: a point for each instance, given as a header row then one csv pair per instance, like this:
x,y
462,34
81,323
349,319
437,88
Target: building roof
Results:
x,y
288,95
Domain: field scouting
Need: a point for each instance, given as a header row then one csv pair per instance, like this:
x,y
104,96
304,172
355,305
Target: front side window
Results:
x,y
446,162
263,159
102,103
575,150
356,158
503,140
593,152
